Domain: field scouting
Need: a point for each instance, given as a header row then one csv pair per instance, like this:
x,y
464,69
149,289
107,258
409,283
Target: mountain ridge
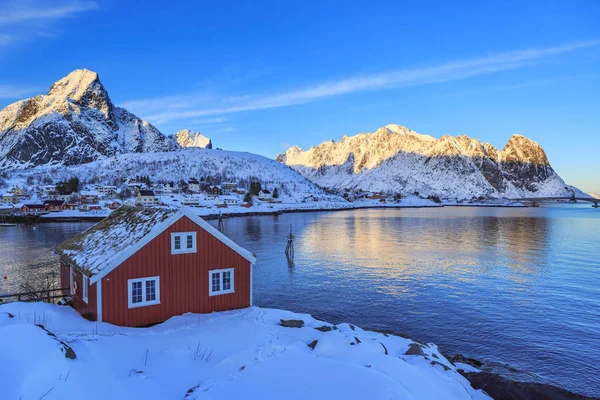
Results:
x,y
395,158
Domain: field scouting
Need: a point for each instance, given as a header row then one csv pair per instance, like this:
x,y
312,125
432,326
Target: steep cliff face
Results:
x,y
189,138
397,159
74,123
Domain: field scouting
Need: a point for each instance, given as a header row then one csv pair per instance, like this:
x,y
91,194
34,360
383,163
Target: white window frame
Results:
x,y
183,241
85,283
143,303
220,271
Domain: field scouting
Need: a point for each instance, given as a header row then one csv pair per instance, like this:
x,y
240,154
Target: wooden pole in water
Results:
x,y
221,226
289,249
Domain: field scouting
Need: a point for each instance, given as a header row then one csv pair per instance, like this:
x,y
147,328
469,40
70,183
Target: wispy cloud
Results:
x,y
14,92
188,106
16,12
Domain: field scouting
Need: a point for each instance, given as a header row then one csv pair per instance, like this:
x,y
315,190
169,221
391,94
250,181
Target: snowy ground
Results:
x,y
229,355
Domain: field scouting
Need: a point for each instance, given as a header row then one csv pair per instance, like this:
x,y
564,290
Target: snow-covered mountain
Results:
x,y
74,123
397,159
595,195
189,138
184,164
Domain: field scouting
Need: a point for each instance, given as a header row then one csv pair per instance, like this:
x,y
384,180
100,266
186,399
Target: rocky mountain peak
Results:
x,y
74,123
84,88
189,138
524,150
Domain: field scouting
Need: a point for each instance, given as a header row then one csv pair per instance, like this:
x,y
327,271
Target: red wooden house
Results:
x,y
33,208
142,266
69,206
54,205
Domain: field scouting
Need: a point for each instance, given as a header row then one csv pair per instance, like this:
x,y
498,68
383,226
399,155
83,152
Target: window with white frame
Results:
x,y
220,281
84,290
143,291
183,242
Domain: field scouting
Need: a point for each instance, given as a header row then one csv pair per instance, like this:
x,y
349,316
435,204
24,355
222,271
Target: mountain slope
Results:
x,y
188,138
397,159
181,165
74,123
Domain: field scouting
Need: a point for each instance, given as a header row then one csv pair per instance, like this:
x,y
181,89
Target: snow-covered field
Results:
x,y
229,355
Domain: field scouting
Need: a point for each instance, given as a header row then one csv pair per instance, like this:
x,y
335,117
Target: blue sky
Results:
x,y
259,76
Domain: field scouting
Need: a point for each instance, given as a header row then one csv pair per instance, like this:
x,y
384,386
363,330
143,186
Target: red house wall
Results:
x,y
183,279
88,310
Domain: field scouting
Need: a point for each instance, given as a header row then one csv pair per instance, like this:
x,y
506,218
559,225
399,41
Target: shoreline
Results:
x,y
55,217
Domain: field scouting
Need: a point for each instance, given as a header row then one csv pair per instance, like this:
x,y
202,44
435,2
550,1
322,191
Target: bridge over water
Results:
x,y
537,200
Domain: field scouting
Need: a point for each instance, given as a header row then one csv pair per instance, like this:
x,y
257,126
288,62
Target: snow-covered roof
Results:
x,y
89,193
106,245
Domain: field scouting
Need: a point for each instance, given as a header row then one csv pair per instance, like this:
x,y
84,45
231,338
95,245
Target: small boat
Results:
x,y
6,225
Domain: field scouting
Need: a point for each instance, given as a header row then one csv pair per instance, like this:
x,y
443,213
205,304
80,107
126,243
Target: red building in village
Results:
x,y
142,266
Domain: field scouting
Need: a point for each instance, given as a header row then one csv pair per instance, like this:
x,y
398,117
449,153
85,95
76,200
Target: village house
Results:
x,y
89,196
139,267
265,195
46,189
193,185
168,187
33,209
90,207
239,191
106,190
7,209
145,198
64,196
114,205
228,187
54,205
216,190
17,191
69,206
229,201
10,198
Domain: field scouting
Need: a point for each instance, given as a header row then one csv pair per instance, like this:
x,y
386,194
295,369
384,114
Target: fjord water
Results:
x,y
517,287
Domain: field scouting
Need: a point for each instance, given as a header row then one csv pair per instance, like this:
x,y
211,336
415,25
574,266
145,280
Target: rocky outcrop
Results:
x,y
188,138
74,123
500,388
397,159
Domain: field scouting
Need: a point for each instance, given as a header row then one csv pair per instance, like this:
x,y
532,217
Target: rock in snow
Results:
x,y
397,159
224,355
74,123
188,138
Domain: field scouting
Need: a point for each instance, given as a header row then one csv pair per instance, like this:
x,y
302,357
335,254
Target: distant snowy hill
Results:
x,y
188,138
397,159
595,195
182,165
74,123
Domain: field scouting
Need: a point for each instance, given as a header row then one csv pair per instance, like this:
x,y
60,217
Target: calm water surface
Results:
x,y
514,287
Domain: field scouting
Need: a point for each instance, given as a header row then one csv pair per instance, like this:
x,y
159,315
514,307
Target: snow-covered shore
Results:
x,y
261,208
236,354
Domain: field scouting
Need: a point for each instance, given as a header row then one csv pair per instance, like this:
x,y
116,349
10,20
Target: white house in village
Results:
x,y
10,198
146,198
194,185
106,190
229,201
265,195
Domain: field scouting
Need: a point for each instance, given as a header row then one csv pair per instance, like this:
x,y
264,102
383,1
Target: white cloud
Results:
x,y
188,106
17,12
14,92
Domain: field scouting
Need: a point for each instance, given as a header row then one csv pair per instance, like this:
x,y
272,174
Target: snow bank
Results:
x,y
236,354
